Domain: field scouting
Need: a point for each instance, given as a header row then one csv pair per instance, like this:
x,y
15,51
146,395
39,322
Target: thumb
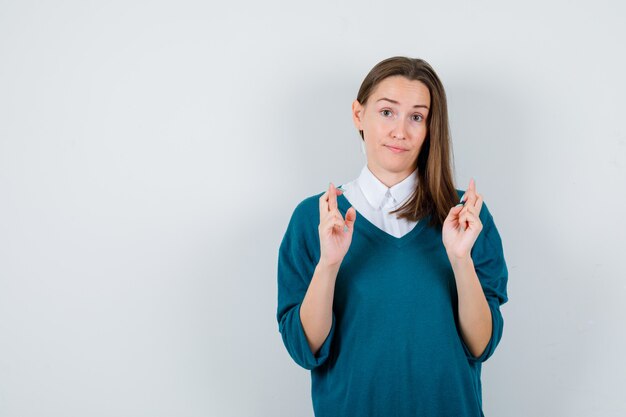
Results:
x,y
458,208
350,216
454,211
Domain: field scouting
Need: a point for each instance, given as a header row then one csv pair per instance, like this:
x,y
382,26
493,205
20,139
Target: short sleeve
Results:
x,y
488,258
297,258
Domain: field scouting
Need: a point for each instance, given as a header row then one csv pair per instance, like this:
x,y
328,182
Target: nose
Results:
x,y
399,130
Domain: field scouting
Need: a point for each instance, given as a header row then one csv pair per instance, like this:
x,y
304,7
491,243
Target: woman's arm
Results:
x,y
316,312
474,313
477,260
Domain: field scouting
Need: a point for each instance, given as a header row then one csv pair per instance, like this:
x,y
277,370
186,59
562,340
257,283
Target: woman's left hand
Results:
x,y
462,226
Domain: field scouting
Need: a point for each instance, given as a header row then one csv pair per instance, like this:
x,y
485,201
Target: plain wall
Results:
x,y
151,154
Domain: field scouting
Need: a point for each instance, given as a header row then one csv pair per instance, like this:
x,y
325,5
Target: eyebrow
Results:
x,y
396,102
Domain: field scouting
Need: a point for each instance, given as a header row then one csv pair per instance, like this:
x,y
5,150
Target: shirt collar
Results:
x,y
375,191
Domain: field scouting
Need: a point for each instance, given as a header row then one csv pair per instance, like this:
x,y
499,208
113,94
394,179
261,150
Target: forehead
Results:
x,y
401,89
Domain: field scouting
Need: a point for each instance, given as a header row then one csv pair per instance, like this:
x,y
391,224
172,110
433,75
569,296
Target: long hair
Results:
x,y
435,192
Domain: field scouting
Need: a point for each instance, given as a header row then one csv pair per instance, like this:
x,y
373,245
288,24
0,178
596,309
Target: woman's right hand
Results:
x,y
334,241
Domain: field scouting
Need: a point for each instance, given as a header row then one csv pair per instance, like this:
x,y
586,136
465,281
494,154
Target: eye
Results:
x,y
385,112
418,117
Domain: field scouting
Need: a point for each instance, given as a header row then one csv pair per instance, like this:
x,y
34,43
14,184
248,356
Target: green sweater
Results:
x,y
395,347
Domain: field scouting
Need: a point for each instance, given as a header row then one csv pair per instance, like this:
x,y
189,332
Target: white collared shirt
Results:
x,y
373,200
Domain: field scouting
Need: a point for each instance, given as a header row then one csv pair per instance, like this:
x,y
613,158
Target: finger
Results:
x,y
471,219
465,196
468,208
463,220
456,209
337,216
350,217
334,224
479,204
332,197
465,216
471,193
462,217
453,213
324,202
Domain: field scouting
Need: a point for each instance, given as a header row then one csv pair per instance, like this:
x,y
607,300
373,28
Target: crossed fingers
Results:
x,y
473,200
329,211
473,203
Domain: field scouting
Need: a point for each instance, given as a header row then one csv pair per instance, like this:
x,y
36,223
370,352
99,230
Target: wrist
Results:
x,y
328,268
460,260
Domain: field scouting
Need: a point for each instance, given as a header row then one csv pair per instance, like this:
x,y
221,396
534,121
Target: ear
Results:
x,y
357,112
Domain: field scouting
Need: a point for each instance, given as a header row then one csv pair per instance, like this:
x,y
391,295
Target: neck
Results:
x,y
390,178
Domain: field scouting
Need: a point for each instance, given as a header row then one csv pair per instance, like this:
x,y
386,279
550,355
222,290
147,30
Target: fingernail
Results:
x,y
345,228
463,197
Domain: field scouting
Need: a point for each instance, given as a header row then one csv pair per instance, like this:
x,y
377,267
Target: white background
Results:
x,y
151,154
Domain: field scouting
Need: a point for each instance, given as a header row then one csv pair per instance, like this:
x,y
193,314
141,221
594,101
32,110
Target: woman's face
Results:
x,y
393,122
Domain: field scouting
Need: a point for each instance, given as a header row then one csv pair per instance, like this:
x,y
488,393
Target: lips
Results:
x,y
395,149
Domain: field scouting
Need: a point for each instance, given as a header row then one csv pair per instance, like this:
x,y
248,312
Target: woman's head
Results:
x,y
402,104
393,122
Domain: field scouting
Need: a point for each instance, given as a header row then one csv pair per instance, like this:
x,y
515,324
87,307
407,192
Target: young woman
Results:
x,y
389,289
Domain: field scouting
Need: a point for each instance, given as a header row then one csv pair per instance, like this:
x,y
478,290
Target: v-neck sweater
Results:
x,y
394,347
374,200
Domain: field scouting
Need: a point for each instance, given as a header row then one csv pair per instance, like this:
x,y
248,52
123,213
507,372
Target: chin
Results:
x,y
396,167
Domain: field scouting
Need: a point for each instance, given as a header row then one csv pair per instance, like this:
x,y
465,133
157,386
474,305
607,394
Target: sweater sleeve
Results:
x,y
297,258
488,257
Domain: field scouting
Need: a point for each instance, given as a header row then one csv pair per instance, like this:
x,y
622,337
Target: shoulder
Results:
x,y
308,207
306,215
302,231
